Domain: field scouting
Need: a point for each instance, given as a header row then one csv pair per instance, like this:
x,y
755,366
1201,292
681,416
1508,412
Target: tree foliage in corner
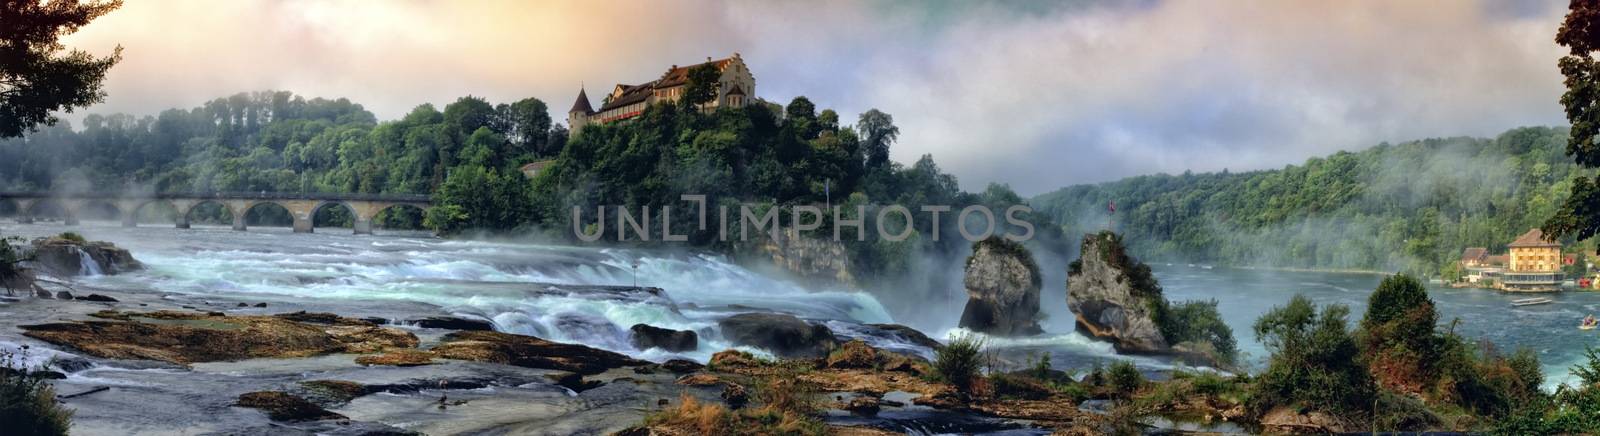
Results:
x,y
35,78
1580,33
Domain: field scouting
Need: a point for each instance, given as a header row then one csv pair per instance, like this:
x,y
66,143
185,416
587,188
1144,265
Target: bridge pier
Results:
x,y
363,226
25,210
238,221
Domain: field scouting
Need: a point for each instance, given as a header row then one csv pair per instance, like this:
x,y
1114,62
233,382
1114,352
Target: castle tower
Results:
x,y
579,115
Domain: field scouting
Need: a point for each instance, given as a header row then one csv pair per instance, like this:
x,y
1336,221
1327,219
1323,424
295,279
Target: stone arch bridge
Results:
x,y
302,206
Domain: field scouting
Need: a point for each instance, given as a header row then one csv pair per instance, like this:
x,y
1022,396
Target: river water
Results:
x,y
519,287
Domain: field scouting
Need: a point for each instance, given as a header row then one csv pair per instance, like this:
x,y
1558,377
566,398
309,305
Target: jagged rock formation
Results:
x,y
1002,284
1116,298
74,257
823,261
1111,295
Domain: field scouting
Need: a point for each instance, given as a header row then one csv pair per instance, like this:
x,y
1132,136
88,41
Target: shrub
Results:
x,y
1199,322
1314,361
28,403
1097,375
71,236
1125,377
958,362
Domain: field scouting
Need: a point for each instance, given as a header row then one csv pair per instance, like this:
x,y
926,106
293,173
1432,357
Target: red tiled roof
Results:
x,y
1534,238
1474,254
1498,259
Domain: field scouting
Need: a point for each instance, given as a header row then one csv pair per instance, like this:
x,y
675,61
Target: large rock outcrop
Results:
x,y
1002,283
191,337
783,335
821,261
70,255
1112,294
529,352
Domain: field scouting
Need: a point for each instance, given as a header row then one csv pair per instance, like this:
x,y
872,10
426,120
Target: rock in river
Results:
x,y
453,323
783,335
1110,294
75,257
1002,284
530,352
189,337
646,336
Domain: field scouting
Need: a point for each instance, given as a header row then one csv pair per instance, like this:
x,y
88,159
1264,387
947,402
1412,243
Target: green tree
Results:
x,y
1315,362
526,124
702,87
1580,33
879,132
35,79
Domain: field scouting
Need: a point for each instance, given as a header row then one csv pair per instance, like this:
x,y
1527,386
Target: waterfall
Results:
x,y
86,264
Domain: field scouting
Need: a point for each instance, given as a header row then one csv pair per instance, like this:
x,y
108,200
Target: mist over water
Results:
x,y
547,291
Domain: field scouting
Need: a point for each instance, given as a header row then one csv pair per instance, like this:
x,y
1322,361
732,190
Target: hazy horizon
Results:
x,y
1038,97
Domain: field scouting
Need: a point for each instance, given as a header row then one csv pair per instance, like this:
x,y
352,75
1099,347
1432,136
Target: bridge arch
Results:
x,y
210,211
334,213
138,210
399,214
52,208
96,209
269,213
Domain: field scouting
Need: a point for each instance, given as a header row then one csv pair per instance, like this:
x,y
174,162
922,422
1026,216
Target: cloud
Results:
x,y
1035,95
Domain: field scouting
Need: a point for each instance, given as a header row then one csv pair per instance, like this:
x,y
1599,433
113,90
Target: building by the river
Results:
x,y
736,87
1534,264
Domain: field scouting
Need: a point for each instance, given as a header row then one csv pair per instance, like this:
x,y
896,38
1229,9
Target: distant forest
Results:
x,y
1401,207
278,142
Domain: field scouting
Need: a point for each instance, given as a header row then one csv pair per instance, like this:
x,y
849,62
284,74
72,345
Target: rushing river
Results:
x,y
493,280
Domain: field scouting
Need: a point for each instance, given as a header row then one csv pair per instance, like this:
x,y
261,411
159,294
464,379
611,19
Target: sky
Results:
x,y
1036,95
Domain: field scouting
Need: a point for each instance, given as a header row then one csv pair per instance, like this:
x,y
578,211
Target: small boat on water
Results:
x,y
1530,301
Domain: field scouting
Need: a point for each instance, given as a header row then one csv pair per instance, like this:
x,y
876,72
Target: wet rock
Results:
x,y
863,405
681,366
331,393
187,337
735,395
41,293
282,406
530,352
71,257
1002,283
97,298
784,335
453,323
1110,292
573,381
320,318
70,364
906,334
261,304
646,336
242,305
401,357
63,295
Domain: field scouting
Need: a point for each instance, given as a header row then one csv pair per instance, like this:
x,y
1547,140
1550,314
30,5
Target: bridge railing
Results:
x,y
225,195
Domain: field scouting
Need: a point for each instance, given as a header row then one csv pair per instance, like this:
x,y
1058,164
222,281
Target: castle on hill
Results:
x,y
735,88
